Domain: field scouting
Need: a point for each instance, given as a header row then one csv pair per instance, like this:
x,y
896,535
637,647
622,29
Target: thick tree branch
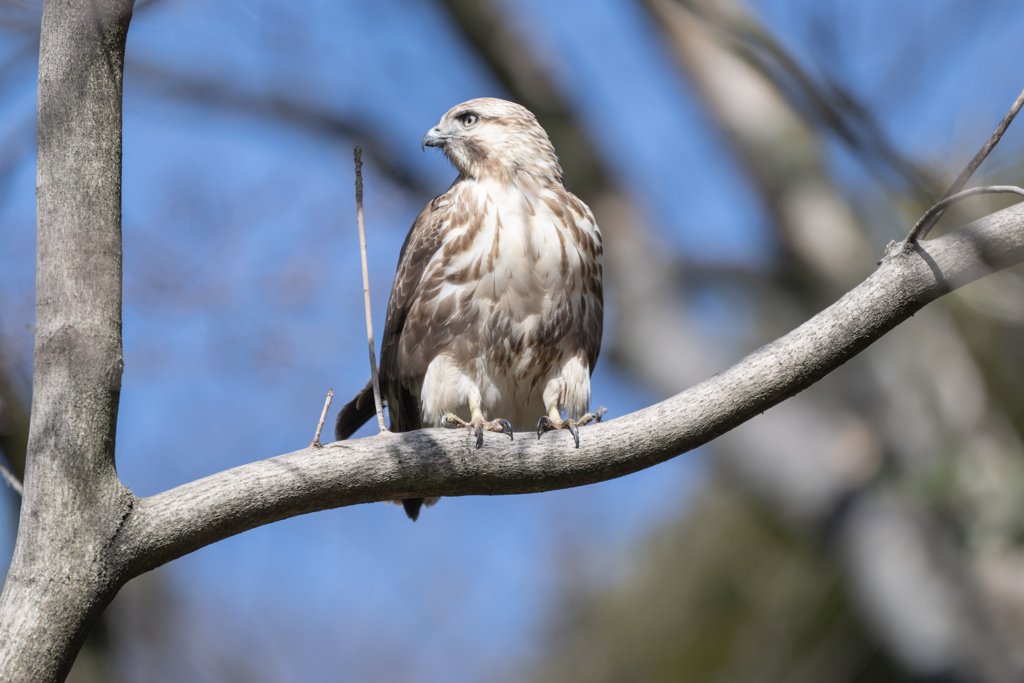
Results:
x,y
445,463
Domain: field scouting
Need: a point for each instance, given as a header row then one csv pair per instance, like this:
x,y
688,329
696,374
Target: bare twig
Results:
x,y
323,416
366,290
11,480
966,174
949,200
932,216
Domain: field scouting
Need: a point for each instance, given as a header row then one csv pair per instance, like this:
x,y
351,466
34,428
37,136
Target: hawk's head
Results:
x,y
491,138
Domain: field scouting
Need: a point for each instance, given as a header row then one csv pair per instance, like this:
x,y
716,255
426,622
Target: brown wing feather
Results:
x,y
400,384
592,318
423,240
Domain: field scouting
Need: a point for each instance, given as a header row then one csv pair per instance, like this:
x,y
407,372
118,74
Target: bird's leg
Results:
x,y
478,423
553,420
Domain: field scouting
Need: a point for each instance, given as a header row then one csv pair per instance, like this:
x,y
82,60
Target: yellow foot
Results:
x,y
548,424
479,425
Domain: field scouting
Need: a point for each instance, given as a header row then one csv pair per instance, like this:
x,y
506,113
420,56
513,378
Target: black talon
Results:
x,y
540,425
506,426
575,433
600,413
479,436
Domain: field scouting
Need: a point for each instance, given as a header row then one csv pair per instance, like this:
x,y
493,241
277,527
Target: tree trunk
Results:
x,y
59,580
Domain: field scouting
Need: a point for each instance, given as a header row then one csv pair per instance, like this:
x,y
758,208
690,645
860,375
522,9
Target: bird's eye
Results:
x,y
469,119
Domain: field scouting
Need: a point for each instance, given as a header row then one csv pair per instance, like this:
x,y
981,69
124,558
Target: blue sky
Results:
x,y
242,282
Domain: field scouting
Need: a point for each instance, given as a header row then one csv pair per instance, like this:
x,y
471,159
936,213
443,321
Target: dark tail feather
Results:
x,y
353,416
355,413
412,507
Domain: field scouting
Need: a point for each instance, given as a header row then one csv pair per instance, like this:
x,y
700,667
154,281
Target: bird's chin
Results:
x,y
457,157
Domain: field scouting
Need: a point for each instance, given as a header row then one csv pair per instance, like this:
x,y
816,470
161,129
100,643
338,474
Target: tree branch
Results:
x,y
439,462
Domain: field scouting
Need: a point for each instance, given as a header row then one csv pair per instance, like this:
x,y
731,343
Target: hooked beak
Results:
x,y
433,138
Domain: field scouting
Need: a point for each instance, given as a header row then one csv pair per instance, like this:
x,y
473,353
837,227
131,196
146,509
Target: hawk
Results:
x,y
497,309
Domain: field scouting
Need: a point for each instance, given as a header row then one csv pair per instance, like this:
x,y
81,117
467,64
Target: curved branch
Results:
x,y
439,462
932,215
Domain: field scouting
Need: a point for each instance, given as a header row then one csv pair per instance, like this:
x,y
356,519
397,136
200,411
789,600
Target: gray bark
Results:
x,y
82,534
62,573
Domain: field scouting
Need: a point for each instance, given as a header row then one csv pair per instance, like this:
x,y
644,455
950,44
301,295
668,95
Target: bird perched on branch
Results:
x,y
496,313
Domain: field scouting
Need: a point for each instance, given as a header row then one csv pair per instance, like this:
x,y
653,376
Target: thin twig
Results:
x,y
323,416
923,226
366,290
11,480
966,174
960,196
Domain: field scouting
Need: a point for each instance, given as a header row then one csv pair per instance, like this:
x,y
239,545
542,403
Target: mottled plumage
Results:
x,y
497,305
